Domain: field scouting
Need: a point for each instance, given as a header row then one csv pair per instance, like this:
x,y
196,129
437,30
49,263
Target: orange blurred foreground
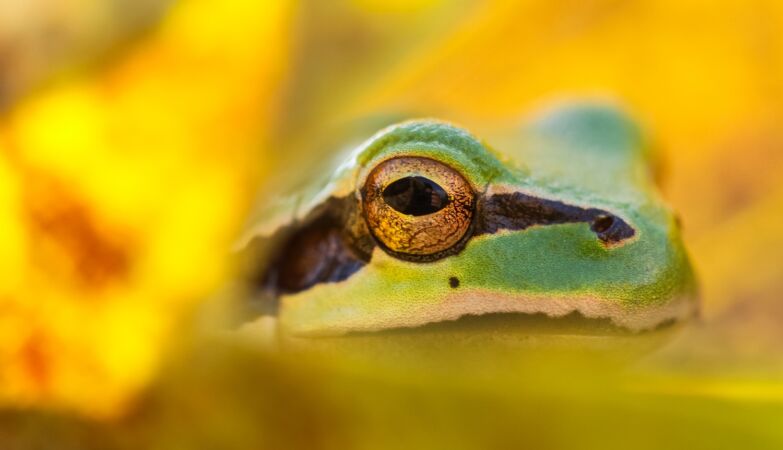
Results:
x,y
120,192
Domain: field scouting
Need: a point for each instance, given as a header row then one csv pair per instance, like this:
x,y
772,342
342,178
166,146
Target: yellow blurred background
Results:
x,y
134,137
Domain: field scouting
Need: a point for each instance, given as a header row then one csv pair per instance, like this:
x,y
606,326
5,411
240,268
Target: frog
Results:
x,y
423,224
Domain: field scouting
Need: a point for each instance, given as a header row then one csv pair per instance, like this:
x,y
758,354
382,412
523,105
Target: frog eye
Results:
x,y
417,207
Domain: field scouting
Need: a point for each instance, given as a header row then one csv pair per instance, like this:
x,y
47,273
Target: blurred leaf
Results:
x,y
126,187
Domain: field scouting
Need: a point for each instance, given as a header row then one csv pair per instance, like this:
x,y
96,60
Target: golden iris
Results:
x,y
417,206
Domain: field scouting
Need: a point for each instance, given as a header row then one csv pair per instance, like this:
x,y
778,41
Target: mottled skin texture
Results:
x,y
590,156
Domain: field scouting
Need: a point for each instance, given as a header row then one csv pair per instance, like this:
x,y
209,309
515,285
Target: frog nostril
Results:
x,y
602,223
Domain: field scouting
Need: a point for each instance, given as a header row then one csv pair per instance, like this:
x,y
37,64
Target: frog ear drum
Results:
x,y
418,208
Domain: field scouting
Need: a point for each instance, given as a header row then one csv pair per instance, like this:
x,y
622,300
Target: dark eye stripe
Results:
x,y
415,196
517,211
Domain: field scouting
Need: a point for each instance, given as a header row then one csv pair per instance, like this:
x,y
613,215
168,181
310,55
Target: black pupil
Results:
x,y
415,196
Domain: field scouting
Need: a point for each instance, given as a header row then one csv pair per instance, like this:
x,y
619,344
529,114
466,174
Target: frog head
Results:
x,y
426,224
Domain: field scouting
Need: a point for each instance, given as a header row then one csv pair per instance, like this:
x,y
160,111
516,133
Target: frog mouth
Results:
x,y
508,323
492,311
505,341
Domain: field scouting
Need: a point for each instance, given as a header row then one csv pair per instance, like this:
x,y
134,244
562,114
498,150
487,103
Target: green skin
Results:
x,y
587,155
